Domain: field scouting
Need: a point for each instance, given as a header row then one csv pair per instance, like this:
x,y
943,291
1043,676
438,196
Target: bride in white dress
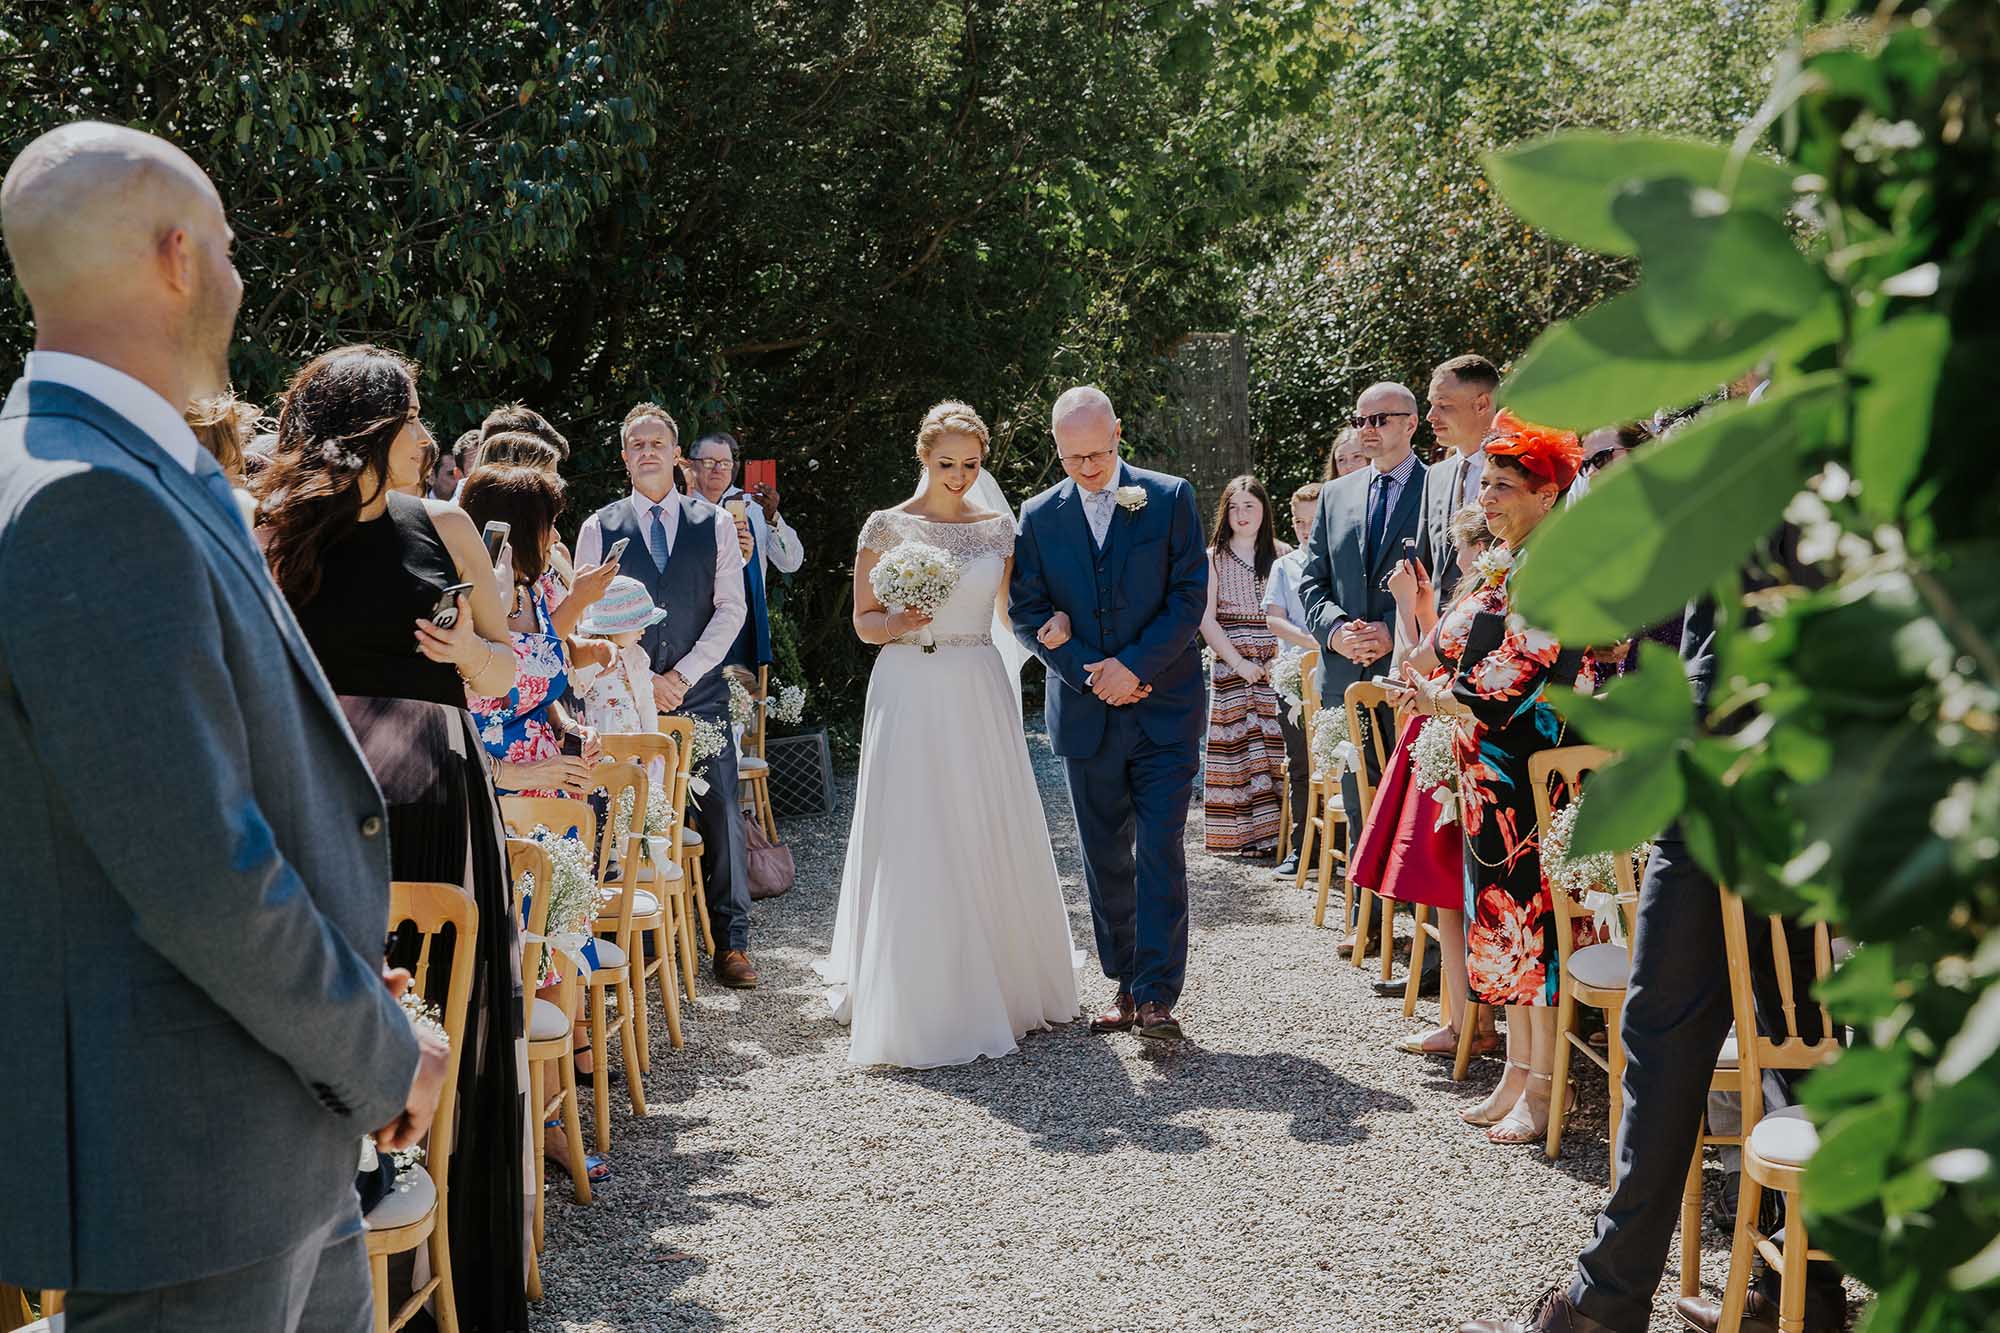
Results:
x,y
952,940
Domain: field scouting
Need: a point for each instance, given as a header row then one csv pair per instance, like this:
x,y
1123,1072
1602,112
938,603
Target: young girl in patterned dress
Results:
x,y
1244,769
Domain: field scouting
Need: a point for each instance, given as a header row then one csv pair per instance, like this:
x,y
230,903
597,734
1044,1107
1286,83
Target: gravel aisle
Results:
x,y
1285,1169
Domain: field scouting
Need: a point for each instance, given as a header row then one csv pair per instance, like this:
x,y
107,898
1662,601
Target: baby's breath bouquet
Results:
x,y
1332,752
786,704
573,897
427,1020
916,576
742,707
1288,679
1589,880
1434,765
710,740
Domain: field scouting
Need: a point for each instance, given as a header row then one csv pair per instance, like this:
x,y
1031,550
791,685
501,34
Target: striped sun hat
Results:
x,y
625,606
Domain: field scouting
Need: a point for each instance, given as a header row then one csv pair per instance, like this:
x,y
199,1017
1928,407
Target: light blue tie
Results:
x,y
656,540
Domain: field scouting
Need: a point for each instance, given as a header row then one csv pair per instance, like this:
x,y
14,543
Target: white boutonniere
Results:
x,y
1493,565
1131,498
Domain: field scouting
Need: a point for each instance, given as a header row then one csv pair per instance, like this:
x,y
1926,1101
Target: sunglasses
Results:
x,y
1376,419
1598,460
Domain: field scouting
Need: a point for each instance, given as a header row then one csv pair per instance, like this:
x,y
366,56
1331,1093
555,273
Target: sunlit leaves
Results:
x,y
1662,527
1571,185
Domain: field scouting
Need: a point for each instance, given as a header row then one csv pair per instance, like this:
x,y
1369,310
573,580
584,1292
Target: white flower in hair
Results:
x,y
1131,497
336,456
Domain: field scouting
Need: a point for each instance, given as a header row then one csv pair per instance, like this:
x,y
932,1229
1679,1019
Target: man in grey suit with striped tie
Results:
x,y
198,865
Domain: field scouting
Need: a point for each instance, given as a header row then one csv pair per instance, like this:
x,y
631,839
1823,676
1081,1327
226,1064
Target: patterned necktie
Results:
x,y
1097,504
656,539
1378,514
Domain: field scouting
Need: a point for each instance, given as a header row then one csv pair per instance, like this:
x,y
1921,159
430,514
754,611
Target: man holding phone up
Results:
x,y
688,555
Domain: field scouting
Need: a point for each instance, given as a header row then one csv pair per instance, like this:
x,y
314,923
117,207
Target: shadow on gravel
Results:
x,y
1084,1100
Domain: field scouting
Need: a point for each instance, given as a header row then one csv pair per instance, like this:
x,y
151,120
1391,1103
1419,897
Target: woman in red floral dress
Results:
x,y
1496,695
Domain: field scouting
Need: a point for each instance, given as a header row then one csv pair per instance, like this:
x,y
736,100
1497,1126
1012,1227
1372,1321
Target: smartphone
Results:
x,y
445,614
617,549
760,472
1409,553
495,536
572,744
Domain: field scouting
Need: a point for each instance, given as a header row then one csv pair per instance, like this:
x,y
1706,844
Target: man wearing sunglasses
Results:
x,y
1364,520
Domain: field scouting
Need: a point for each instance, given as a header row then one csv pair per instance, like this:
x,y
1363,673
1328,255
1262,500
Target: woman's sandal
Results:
x,y
576,1058
596,1168
1471,1114
1512,1130
1428,1044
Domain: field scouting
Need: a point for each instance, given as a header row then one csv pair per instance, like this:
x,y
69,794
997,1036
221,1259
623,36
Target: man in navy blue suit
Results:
x,y
1118,551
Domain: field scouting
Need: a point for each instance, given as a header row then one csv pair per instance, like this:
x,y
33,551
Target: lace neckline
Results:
x,y
945,522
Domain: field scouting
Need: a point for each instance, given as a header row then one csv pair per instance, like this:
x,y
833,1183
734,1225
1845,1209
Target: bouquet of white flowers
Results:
x,y
787,704
425,1018
1288,679
1332,752
742,708
573,896
1434,765
1589,880
709,741
916,576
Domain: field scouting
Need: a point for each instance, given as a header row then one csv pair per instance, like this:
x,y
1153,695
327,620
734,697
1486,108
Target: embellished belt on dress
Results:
x,y
950,640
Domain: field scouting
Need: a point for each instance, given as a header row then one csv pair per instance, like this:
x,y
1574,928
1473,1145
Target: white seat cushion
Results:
x,y
1603,966
750,763
609,957
53,1324
415,1195
1729,1056
690,839
546,1022
1786,1137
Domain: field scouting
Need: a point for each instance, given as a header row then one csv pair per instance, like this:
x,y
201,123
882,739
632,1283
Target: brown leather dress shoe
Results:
x,y
1551,1314
1760,1313
1118,1018
1156,1022
733,969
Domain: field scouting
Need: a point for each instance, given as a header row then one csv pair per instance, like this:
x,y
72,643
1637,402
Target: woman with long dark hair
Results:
x,y
1244,771
367,569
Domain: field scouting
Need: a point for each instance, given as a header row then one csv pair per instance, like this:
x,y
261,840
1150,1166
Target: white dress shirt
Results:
x,y
1281,591
1100,506
732,604
137,402
777,545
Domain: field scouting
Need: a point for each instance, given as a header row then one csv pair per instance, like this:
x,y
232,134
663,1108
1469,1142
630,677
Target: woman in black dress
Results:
x,y
364,567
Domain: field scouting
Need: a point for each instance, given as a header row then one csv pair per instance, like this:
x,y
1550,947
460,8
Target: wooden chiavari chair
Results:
x,y
753,770
411,1216
1366,701
693,892
659,904
1776,1148
1319,849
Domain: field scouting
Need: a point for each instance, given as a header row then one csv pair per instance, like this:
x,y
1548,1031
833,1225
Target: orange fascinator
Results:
x,y
1545,453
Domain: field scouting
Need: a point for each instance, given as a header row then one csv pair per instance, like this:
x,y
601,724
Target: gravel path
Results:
x,y
1283,1169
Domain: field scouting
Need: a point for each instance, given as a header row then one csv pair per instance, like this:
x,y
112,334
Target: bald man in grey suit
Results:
x,y
200,1018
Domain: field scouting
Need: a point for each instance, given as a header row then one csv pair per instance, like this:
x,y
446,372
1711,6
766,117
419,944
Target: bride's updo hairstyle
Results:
x,y
950,417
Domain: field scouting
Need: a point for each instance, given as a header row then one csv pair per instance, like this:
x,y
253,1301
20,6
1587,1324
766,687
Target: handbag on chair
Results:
x,y
770,864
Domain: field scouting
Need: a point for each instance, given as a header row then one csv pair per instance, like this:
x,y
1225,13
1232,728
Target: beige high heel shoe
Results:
x,y
1514,1129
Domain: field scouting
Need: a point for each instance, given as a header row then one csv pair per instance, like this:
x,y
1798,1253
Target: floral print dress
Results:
x,y
516,728
1510,934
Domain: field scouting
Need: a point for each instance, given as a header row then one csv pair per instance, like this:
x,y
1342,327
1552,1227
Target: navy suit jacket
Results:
x,y
1342,579
1150,618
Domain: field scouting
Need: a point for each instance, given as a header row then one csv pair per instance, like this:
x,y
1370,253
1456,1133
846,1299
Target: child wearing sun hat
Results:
x,y
618,699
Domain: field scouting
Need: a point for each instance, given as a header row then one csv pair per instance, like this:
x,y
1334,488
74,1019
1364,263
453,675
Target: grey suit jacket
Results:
x,y
196,892
1434,544
1342,580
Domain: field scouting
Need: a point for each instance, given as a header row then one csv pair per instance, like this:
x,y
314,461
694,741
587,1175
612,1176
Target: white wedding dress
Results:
x,y
952,940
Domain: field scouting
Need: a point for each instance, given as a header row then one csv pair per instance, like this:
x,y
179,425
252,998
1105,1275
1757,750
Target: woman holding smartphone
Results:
x,y
407,616
528,728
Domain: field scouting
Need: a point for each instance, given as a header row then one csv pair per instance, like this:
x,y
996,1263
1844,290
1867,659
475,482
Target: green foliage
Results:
x,y
1402,254
804,222
1863,784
